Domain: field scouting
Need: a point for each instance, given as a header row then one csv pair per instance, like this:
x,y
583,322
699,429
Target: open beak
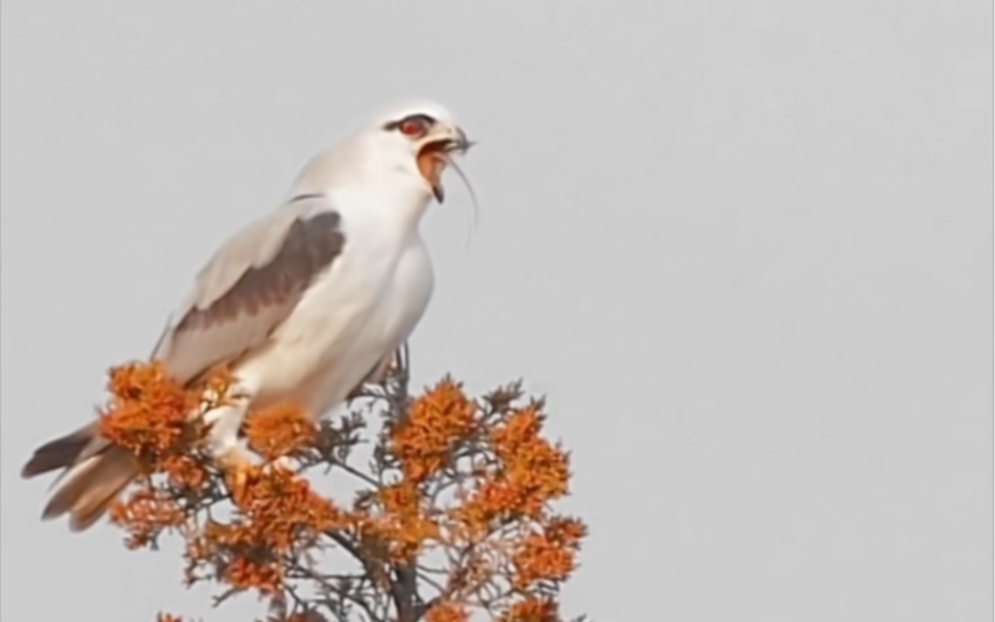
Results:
x,y
435,153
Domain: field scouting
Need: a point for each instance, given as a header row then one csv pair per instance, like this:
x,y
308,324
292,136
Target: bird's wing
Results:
x,y
250,285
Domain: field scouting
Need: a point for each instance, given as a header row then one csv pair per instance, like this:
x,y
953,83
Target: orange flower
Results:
x,y
279,430
281,503
565,532
534,468
278,510
402,527
309,616
529,473
150,412
520,429
445,612
245,572
533,609
541,560
424,441
277,515
184,471
145,514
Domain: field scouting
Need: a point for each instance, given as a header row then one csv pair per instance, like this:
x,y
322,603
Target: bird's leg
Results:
x,y
376,376
383,369
223,443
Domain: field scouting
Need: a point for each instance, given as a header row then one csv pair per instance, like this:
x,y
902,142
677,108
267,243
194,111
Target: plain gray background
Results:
x,y
743,246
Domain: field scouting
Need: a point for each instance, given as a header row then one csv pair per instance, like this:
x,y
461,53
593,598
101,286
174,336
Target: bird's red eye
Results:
x,y
413,127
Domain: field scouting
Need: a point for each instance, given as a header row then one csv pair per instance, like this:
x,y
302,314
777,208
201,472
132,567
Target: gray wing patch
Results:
x,y
309,247
244,315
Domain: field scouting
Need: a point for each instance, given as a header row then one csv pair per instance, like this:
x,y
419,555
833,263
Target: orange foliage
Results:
x,y
472,480
401,524
424,440
447,612
279,431
541,559
533,609
150,413
309,616
147,512
277,514
530,473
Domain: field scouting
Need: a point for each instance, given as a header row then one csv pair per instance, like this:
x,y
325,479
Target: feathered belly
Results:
x,y
339,332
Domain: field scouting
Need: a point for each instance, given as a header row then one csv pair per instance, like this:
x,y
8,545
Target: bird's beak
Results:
x,y
435,153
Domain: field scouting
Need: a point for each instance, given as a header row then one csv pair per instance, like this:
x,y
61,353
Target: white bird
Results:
x,y
303,305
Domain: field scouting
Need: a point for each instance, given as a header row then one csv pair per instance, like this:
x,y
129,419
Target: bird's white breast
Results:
x,y
354,314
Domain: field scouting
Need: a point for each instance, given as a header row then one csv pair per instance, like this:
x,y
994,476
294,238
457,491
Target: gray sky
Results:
x,y
744,248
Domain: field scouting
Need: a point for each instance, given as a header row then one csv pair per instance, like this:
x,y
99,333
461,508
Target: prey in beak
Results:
x,y
434,142
436,152
433,138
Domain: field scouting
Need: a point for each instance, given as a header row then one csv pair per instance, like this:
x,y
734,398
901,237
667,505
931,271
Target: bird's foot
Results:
x,y
238,470
283,463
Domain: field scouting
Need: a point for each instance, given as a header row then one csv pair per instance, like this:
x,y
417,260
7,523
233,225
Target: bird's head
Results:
x,y
419,139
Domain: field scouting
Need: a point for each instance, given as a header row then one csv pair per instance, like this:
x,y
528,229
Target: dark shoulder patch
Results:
x,y
309,248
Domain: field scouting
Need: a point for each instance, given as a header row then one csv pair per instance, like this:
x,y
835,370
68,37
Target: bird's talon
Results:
x,y
237,469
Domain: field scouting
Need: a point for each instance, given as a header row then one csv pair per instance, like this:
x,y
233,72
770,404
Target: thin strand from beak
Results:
x,y
473,199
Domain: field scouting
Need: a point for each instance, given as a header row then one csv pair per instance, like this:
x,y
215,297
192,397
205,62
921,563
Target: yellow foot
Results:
x,y
237,468
283,463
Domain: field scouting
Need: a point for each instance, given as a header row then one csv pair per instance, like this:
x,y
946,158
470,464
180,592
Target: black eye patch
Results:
x,y
421,118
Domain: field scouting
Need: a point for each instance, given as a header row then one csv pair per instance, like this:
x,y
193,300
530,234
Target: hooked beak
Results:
x,y
435,153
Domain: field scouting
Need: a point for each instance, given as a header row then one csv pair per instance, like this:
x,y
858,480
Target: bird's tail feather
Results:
x,y
60,453
95,472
